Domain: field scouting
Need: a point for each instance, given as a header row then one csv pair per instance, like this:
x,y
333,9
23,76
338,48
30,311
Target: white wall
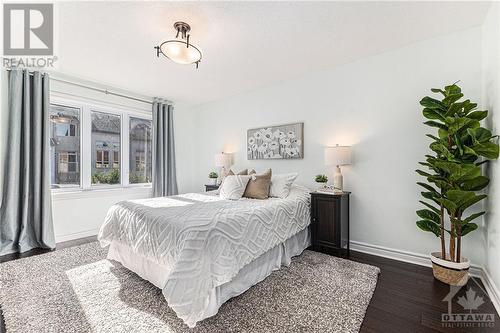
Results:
x,y
372,104
491,101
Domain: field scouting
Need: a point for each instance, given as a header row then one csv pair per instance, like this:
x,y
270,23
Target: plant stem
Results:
x,y
452,242
443,245
458,229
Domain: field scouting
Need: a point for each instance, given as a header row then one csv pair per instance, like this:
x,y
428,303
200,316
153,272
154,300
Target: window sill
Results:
x,y
98,192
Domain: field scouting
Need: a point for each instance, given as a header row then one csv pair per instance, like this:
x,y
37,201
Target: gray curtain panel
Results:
x,y
26,205
164,177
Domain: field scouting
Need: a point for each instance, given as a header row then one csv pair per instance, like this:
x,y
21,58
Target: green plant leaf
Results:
x,y
472,217
433,123
429,226
456,124
437,90
468,106
482,135
432,137
431,103
441,150
472,201
427,187
467,228
428,205
442,133
478,115
432,114
452,98
475,184
459,197
427,214
452,89
450,206
487,149
423,173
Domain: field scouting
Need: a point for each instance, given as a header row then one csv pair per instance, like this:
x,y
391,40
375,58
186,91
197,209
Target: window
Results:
x,y
106,133
64,129
102,159
140,154
116,159
68,162
86,144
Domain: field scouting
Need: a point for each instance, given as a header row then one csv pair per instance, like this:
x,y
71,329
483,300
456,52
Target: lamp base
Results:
x,y
222,175
338,181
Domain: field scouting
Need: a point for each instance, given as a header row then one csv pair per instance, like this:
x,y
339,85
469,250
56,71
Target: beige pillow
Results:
x,y
258,186
243,172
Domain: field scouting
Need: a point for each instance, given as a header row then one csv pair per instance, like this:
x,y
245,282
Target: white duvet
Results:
x,y
202,239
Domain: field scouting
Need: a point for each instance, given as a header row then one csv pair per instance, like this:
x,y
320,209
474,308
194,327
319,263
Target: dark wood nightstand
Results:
x,y
211,187
330,222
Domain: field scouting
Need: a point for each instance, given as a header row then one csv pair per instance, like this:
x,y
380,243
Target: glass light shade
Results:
x,y
177,51
338,155
222,160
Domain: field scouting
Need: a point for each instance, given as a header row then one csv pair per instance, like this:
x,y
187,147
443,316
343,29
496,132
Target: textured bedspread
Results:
x,y
203,239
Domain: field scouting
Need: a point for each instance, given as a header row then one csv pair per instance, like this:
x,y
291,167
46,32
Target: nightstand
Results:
x,y
211,187
330,222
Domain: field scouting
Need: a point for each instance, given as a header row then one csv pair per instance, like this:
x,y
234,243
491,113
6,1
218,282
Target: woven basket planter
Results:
x,y
449,272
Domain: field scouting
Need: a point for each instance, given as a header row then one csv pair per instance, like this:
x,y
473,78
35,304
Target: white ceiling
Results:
x,y
245,45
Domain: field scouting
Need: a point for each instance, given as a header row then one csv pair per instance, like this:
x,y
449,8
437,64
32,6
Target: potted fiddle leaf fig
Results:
x,y
454,179
213,176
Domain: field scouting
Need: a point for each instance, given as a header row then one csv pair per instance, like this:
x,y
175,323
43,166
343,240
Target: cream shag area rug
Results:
x,y
78,290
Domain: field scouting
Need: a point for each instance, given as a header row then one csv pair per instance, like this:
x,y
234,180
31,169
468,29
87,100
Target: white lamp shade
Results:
x,y
222,160
338,155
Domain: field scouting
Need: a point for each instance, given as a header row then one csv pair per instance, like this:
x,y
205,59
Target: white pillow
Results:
x,y
233,187
281,184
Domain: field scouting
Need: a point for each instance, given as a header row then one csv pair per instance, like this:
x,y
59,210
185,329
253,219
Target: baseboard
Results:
x,y
76,235
492,289
424,260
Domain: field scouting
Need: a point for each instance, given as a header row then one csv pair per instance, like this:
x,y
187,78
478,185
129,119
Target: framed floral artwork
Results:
x,y
276,142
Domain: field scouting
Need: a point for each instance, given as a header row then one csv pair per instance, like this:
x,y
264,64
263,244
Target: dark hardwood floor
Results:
x,y
407,297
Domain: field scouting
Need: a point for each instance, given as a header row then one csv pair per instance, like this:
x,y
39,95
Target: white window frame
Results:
x,y
86,106
128,149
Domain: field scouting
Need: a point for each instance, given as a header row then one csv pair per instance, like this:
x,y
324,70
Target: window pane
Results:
x,y
140,155
105,142
64,129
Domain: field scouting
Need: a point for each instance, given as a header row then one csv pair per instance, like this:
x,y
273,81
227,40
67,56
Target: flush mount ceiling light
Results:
x,y
180,50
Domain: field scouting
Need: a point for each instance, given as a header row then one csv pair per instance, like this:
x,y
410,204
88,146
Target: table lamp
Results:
x,y
338,155
222,161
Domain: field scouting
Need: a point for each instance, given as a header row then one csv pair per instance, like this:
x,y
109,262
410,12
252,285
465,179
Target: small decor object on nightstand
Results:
x,y
321,180
213,177
330,222
338,155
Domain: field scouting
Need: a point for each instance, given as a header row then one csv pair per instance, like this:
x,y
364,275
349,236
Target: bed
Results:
x,y
202,250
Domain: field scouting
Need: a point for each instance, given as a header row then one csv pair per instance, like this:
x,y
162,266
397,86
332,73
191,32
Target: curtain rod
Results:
x,y
105,91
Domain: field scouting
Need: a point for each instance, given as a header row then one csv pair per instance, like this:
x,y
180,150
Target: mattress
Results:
x,y
253,273
200,241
